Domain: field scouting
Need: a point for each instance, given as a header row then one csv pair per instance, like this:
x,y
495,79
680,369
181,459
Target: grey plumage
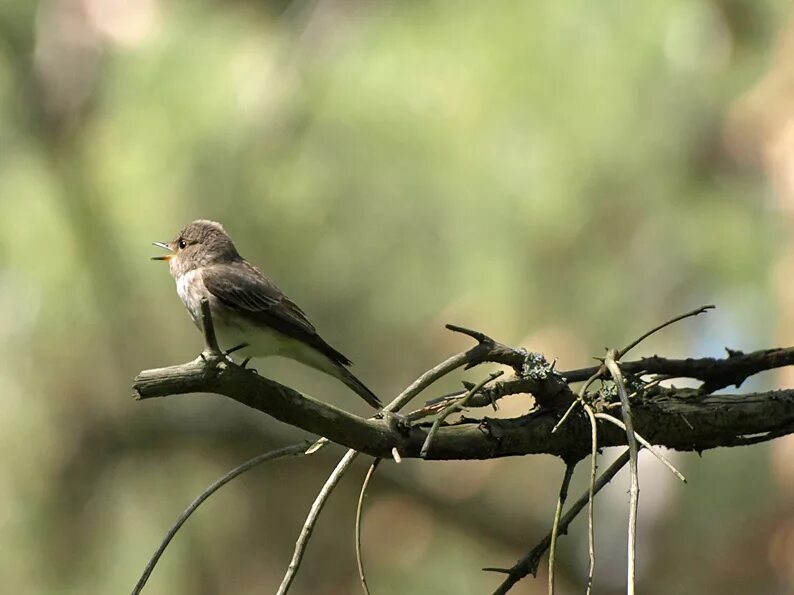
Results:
x,y
246,306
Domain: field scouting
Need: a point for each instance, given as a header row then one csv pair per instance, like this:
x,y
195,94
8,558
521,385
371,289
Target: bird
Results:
x,y
249,312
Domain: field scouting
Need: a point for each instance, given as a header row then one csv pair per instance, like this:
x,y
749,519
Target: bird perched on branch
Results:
x,y
249,312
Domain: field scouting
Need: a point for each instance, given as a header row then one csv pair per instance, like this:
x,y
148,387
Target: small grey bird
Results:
x,y
247,308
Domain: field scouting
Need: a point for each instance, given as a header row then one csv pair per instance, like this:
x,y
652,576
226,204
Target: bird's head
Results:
x,y
199,244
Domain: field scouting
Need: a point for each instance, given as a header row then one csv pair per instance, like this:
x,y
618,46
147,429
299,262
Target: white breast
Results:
x,y
190,288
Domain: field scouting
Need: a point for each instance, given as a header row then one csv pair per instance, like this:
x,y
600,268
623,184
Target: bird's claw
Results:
x,y
228,352
395,421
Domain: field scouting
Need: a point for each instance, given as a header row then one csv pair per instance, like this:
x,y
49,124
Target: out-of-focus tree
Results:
x,y
558,174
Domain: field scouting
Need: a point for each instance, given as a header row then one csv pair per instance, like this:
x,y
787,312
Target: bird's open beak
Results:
x,y
164,246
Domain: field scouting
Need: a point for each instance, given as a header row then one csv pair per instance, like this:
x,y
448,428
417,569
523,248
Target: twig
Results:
x,y
579,398
449,365
645,443
456,406
359,559
528,564
656,329
478,336
431,408
294,450
311,519
314,512
634,489
590,494
563,496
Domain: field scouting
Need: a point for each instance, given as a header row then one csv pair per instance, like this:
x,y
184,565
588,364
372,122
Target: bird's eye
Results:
x,y
182,244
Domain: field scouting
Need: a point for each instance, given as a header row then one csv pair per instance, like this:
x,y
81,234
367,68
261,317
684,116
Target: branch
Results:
x,y
634,489
591,496
708,424
681,419
311,519
555,528
715,373
359,509
296,450
529,563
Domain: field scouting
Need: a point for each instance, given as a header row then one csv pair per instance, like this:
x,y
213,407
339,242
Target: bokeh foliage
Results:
x,y
554,173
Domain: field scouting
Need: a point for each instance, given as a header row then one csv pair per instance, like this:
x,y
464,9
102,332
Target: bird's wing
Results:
x,y
242,287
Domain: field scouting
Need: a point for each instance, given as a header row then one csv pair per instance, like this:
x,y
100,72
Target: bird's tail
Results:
x,y
357,386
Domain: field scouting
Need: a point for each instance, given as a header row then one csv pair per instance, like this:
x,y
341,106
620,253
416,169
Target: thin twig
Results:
x,y
359,558
656,329
434,374
644,389
528,564
294,450
456,406
563,496
613,420
634,489
311,519
579,398
591,493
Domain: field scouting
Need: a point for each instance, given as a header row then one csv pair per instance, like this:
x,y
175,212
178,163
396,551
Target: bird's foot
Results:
x,y
396,421
228,355
211,357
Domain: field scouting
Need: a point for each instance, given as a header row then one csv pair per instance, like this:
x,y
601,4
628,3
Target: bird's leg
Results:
x,y
228,352
395,420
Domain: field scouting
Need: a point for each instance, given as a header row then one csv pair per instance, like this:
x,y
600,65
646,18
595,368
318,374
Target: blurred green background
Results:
x,y
561,175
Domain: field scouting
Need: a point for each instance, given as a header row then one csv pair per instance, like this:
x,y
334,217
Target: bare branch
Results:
x,y
634,486
645,443
529,563
681,419
656,329
716,373
311,519
591,495
579,399
555,528
296,450
359,558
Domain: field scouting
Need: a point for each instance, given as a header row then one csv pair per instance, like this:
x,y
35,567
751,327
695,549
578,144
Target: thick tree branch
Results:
x,y
682,419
